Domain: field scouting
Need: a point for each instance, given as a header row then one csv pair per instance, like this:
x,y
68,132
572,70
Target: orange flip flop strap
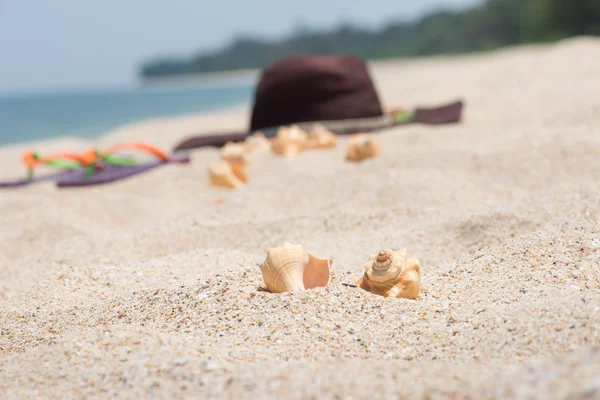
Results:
x,y
89,156
148,148
29,160
56,156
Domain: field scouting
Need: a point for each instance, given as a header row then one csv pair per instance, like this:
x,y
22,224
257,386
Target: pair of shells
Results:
x,y
288,268
361,146
239,152
231,171
392,274
290,141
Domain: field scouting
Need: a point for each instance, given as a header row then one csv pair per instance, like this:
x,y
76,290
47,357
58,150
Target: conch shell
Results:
x,y
320,137
360,147
234,153
290,141
288,268
391,274
227,175
257,142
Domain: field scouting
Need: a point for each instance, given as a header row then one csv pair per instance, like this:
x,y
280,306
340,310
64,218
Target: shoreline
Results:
x,y
242,76
380,69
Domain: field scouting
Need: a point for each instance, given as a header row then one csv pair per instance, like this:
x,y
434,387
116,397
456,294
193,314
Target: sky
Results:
x,y
48,45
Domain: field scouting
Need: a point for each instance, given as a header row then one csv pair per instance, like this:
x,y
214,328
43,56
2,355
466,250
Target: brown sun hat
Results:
x,y
335,91
314,88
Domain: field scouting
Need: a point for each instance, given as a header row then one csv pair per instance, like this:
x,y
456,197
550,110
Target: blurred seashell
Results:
x,y
361,147
227,175
239,171
234,153
290,141
392,274
288,268
257,142
320,137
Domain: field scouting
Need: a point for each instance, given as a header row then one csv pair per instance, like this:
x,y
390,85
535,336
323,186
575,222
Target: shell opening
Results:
x,y
317,272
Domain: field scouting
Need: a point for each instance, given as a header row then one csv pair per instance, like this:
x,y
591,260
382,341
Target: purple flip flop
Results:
x,y
112,173
51,177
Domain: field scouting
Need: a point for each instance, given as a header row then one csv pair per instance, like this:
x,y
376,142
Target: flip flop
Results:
x,y
99,171
69,163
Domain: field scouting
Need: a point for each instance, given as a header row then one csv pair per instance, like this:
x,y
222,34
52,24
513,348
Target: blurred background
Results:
x,y
75,68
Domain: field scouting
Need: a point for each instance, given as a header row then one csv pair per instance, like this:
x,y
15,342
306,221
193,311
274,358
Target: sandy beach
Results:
x,y
150,287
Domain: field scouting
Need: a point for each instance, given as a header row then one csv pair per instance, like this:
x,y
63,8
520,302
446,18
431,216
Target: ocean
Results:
x,y
89,114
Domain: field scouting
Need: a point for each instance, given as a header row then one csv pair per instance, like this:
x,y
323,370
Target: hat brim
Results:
x,y
446,114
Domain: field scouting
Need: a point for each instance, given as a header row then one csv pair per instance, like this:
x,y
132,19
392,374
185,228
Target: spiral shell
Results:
x,y
320,137
361,147
290,141
227,175
288,268
391,274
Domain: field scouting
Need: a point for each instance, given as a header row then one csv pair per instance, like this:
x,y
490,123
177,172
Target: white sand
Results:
x,y
150,287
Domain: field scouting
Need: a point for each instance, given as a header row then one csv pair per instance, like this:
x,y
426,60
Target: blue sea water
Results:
x,y
90,114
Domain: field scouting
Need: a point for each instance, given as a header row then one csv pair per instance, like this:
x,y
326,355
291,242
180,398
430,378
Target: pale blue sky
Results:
x,y
65,44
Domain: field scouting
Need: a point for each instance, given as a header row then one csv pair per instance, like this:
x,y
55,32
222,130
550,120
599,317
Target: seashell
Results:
x,y
257,142
288,268
321,138
392,274
361,147
234,153
290,141
239,171
227,175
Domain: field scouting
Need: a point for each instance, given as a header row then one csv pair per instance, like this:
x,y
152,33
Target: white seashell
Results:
x,y
392,274
234,153
361,147
288,268
290,141
321,138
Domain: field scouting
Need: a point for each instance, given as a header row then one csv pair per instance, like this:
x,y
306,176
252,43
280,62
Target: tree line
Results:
x,y
493,24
